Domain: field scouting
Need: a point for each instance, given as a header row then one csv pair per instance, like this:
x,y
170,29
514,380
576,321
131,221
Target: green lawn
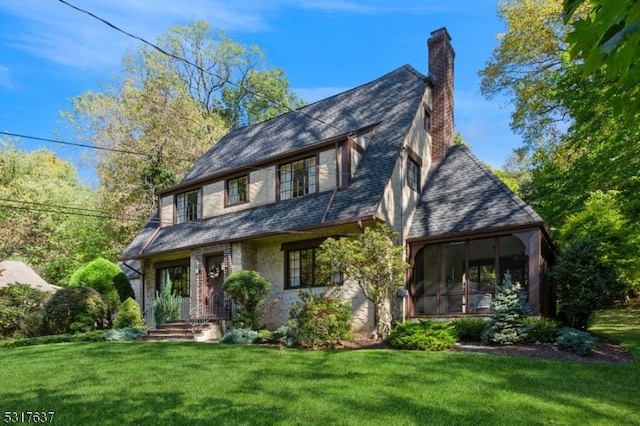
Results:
x,y
189,383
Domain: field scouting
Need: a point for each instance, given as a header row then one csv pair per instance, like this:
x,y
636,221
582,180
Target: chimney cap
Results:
x,y
440,31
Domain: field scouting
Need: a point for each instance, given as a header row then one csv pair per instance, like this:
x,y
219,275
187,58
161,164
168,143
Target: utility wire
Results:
x,y
188,62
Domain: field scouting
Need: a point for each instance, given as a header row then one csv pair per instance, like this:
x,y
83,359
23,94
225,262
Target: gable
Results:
x,y
462,195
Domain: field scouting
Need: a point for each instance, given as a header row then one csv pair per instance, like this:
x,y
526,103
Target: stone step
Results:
x,y
184,331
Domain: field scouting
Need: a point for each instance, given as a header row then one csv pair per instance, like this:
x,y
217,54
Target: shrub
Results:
x,y
240,336
74,310
90,336
129,315
541,330
167,306
123,334
248,290
470,329
20,311
576,341
320,320
506,325
423,336
108,279
584,283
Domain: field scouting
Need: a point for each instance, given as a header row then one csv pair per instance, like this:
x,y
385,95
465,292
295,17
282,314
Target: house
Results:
x,y
265,197
14,271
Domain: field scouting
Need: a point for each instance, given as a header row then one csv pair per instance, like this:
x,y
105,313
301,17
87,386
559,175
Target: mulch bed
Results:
x,y
604,352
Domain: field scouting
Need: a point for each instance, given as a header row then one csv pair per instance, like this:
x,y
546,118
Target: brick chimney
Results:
x,y
441,57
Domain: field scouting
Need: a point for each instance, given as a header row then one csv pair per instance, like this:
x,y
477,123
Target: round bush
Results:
x,y
576,341
74,310
105,277
321,320
240,336
248,290
129,315
470,329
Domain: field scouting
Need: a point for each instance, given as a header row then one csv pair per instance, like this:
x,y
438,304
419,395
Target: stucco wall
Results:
x,y
166,211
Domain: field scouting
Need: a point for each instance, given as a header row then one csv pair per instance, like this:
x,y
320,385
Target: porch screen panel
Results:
x,y
451,277
425,297
482,276
514,260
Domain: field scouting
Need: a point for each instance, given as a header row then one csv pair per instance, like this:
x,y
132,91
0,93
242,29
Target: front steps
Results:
x,y
184,331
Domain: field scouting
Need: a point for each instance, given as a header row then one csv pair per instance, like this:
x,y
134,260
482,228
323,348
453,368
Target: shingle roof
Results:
x,y
390,102
462,195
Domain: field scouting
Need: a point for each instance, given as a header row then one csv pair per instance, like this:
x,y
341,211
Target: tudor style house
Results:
x,y
266,196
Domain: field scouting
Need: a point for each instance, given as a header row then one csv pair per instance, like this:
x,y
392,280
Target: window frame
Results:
x,y
426,121
413,163
187,217
300,246
227,192
315,182
181,263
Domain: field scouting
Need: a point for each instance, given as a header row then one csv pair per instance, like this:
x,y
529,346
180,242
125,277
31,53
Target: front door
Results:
x,y
213,296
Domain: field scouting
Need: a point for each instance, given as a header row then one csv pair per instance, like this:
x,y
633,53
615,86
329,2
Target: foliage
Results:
x,y
240,336
129,315
173,112
607,41
583,283
576,341
47,217
541,330
617,239
248,290
167,306
423,336
470,329
507,323
74,310
89,336
373,261
20,307
123,334
320,320
108,279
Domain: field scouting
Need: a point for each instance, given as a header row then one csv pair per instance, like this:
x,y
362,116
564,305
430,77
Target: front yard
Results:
x,y
190,383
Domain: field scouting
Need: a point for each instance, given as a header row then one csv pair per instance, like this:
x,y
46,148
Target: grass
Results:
x,y
108,383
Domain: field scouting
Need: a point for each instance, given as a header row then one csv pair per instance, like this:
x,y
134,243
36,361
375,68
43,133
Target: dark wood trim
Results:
x,y
311,244
200,204
346,162
426,123
170,263
477,234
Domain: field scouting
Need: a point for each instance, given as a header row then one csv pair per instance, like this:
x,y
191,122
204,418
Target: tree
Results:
x,y
106,278
607,40
163,113
584,283
373,262
129,315
248,290
48,218
507,323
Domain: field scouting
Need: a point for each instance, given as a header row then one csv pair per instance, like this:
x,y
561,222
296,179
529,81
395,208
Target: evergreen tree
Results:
x,y
506,325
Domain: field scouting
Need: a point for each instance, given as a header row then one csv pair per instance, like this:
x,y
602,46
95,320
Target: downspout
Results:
x,y
142,287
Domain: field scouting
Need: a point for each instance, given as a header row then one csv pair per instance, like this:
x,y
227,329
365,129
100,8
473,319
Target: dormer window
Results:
x,y
427,119
237,190
298,178
188,206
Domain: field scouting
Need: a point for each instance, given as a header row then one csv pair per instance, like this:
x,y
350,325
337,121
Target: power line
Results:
x,y
188,62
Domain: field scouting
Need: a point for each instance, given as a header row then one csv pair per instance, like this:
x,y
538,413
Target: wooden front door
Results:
x,y
213,295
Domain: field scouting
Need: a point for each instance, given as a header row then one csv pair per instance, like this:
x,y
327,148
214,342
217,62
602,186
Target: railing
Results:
x,y
218,306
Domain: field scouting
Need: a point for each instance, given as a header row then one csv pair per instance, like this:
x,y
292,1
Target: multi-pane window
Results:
x,y
427,120
301,266
298,178
237,190
188,206
413,175
178,275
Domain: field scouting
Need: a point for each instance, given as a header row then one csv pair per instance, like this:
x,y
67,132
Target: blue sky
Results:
x,y
50,53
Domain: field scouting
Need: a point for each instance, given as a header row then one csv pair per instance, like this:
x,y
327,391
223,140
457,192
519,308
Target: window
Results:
x,y
178,274
188,206
300,265
298,178
413,174
427,119
237,190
